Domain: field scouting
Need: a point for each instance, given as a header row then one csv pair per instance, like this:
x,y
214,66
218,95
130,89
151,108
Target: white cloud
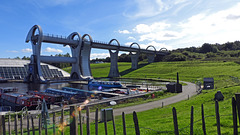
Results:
x,y
157,31
27,50
99,55
131,38
48,49
157,26
160,36
124,31
218,27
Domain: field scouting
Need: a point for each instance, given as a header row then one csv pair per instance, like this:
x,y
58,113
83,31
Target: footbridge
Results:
x,y
81,50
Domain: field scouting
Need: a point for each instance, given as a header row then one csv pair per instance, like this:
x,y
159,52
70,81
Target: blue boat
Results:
x,y
83,93
71,97
105,84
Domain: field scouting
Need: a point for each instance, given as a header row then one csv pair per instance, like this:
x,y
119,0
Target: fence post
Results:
x,y
88,123
1,125
175,121
15,124
9,124
73,124
45,123
96,122
80,121
40,124
124,124
234,111
217,117
62,121
33,129
114,129
54,122
191,121
28,128
203,121
21,124
237,95
105,121
135,119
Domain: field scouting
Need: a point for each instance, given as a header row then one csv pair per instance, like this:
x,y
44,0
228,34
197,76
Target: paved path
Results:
x,y
188,90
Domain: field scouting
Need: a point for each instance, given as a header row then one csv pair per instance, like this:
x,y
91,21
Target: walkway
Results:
x,y
188,90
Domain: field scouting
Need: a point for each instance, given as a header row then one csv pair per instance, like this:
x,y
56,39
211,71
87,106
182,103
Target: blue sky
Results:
x,y
163,23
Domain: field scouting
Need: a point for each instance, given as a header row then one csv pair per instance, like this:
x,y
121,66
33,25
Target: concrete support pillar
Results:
x,y
114,59
134,59
134,56
76,70
85,60
114,66
35,35
150,58
85,57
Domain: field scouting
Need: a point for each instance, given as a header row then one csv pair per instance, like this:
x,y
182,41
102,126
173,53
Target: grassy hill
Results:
x,y
225,74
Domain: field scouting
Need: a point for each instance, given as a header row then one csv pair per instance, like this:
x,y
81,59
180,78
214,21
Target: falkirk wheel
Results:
x,y
80,54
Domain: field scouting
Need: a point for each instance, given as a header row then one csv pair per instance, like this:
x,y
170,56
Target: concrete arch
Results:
x,y
163,50
71,37
117,44
90,38
152,47
114,59
31,34
134,43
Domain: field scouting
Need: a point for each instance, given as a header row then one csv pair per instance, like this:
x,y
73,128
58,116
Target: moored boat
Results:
x,y
105,84
7,90
49,98
3,80
71,97
19,100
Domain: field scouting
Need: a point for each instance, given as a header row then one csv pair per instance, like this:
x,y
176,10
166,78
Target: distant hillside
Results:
x,y
229,51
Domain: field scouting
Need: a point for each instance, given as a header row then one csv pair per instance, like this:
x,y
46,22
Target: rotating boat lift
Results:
x,y
81,50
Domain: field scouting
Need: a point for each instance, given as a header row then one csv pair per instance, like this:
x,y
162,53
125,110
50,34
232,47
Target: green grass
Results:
x,y
160,119
190,71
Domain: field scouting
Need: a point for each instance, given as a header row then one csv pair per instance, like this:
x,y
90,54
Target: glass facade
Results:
x,y
21,72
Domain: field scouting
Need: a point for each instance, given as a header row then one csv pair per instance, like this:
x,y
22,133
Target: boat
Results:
x,y
71,97
7,90
3,80
83,93
104,84
17,101
51,99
